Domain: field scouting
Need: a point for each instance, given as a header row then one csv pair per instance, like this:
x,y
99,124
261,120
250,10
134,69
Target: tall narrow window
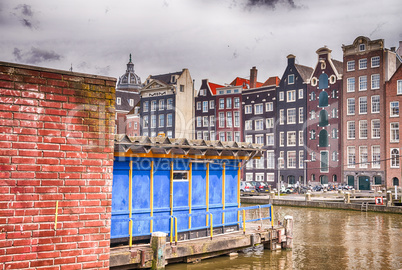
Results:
x,y
323,99
363,157
323,138
395,158
351,130
375,104
394,132
323,118
323,81
324,166
351,106
375,128
350,84
351,151
362,105
363,129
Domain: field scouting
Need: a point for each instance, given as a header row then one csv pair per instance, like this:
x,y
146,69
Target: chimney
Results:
x,y
291,59
253,77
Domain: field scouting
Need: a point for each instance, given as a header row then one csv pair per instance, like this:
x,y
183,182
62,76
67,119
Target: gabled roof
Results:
x,y
213,87
243,82
338,65
305,72
272,81
166,78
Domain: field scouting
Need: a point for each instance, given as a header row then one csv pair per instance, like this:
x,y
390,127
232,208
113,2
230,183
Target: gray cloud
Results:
x,y
270,3
35,56
25,15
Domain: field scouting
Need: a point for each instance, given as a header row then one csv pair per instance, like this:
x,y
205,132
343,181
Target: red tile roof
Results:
x,y
243,82
272,81
213,87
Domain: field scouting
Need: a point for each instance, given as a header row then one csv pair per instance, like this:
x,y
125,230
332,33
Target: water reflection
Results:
x,y
324,239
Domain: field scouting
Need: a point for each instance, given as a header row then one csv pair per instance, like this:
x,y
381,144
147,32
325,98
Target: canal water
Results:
x,y
323,239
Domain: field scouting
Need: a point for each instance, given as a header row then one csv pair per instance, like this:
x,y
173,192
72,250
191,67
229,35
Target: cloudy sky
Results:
x,y
218,40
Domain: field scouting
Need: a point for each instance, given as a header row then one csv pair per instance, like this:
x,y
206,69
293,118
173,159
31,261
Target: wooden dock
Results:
x,y
156,256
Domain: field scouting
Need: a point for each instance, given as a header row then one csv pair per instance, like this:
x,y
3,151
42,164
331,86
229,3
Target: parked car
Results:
x,y
260,186
247,188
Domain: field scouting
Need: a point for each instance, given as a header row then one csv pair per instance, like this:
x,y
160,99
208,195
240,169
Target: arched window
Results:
x,y
312,115
323,179
395,158
334,178
291,180
334,133
323,99
323,81
334,156
323,118
323,140
395,181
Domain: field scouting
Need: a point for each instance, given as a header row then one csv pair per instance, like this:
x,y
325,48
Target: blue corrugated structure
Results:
x,y
179,185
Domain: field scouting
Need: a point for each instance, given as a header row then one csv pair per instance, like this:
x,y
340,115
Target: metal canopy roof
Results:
x,y
154,146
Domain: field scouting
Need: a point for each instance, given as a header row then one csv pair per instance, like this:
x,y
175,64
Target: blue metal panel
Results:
x,y
231,187
120,212
215,188
180,191
199,188
161,190
141,191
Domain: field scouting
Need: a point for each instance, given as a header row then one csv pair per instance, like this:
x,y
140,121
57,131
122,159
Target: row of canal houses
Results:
x,y
332,124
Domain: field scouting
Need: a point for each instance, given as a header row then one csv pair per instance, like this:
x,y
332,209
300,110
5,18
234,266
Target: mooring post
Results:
x,y
288,224
347,197
389,198
158,245
308,197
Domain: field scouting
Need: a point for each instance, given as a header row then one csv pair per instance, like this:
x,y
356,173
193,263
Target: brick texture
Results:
x,y
56,148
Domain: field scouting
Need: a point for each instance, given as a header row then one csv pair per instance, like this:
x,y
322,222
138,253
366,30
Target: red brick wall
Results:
x,y
56,145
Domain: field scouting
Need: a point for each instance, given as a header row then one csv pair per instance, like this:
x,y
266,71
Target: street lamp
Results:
x,y
305,171
279,175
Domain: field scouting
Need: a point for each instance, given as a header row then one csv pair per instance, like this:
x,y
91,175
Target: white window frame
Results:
x,y
391,107
269,106
324,169
301,115
291,161
363,129
375,156
399,87
394,161
375,131
131,102
161,117
349,106
271,159
212,120
221,119
258,108
301,159
375,61
291,116
236,136
291,77
291,96
301,93
351,65
118,101
363,63
153,105
375,105
349,130
236,102
301,137
205,106
291,138
351,84
375,81
259,138
169,124
259,124
270,177
351,160
229,119
363,156
281,117
199,121
229,103
205,122
394,132
248,125
281,96
236,119
281,138
363,83
248,109
270,140
161,104
212,104
221,103
269,122
169,104
361,105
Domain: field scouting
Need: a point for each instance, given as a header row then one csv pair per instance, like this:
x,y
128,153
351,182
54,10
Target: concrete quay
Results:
x,y
330,200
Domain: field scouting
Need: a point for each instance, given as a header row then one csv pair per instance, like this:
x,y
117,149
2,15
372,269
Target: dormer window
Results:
x,y
173,79
362,47
118,101
291,79
131,102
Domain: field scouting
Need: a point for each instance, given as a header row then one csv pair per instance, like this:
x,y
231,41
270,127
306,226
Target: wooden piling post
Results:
x,y
347,197
389,198
158,245
288,224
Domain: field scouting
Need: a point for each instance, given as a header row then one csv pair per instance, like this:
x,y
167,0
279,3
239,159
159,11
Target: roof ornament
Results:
x,y
130,57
